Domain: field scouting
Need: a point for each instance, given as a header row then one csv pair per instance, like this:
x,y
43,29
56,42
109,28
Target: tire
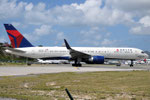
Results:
x,y
77,65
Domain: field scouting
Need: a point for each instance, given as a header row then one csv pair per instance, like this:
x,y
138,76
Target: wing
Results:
x,y
76,54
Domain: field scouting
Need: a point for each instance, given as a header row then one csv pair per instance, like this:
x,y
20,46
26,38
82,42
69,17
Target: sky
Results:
x,y
86,23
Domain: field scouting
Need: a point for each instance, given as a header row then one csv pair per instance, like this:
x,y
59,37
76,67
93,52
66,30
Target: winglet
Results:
x,y
67,45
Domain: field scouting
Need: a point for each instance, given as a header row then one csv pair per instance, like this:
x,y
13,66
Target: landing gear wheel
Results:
x,y
29,64
131,65
77,65
73,64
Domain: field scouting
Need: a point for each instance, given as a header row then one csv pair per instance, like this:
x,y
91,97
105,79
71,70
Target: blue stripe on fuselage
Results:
x,y
56,58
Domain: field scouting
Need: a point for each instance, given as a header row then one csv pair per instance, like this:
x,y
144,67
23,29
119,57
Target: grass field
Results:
x,y
133,85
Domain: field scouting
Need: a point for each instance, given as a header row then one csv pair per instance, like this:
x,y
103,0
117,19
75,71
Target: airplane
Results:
x,y
147,61
53,61
90,55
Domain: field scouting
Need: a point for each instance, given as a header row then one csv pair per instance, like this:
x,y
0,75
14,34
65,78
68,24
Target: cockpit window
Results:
x,y
142,52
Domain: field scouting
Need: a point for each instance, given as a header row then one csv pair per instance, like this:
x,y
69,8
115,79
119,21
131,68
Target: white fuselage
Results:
x,y
108,53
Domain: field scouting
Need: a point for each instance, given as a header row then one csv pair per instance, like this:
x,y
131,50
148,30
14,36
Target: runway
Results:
x,y
57,68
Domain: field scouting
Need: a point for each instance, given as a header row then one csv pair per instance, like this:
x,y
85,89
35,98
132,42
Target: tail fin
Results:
x,y
16,38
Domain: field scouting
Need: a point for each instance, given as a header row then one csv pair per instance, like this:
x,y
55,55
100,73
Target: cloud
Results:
x,y
140,30
29,7
96,36
87,18
145,21
60,36
16,24
88,13
37,14
134,6
90,42
142,27
11,9
107,34
93,32
43,30
93,13
63,15
91,36
107,42
29,36
135,29
39,32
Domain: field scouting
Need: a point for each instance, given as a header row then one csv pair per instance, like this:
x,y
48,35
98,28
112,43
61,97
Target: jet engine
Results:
x,y
96,60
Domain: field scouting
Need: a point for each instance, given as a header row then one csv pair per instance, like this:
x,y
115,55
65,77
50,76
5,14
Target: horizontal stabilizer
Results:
x,y
14,50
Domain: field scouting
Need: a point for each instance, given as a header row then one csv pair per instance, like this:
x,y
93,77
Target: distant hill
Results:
x,y
148,53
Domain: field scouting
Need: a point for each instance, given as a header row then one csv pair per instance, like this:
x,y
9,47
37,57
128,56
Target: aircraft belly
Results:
x,y
54,55
121,56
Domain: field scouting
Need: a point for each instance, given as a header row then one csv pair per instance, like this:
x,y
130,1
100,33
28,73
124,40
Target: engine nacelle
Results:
x,y
96,60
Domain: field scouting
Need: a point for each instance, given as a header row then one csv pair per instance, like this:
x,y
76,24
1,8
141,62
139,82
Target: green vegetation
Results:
x,y
92,85
9,59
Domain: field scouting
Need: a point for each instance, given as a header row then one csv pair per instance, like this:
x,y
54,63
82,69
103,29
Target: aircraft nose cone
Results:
x,y
146,56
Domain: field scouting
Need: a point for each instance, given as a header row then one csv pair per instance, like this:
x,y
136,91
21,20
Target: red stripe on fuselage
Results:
x,y
17,35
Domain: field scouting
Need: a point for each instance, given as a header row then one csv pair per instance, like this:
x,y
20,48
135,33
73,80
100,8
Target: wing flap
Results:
x,y
78,54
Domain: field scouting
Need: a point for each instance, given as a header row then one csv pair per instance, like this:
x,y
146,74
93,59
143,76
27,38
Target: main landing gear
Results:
x,y
131,65
77,63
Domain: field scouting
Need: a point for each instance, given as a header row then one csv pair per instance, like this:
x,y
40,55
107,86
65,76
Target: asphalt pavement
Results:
x,y
57,68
